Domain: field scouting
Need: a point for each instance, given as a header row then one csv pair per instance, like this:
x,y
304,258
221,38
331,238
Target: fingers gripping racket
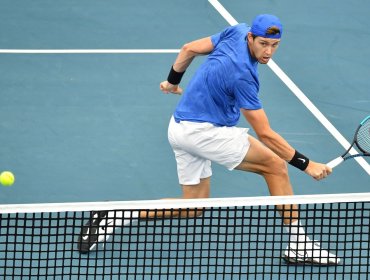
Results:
x,y
362,142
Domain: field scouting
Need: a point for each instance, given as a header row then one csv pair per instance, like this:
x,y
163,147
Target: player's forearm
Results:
x,y
260,124
277,144
183,60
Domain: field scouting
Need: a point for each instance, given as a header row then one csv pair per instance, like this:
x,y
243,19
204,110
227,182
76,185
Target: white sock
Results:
x,y
296,232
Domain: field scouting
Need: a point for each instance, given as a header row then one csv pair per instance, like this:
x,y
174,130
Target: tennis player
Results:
x,y
203,127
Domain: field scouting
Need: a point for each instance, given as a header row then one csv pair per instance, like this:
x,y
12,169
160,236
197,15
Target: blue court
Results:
x,y
92,126
82,117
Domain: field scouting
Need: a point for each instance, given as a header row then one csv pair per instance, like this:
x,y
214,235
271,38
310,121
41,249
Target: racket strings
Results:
x,y
363,136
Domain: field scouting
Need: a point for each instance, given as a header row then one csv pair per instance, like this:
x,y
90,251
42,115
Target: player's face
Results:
x,y
262,49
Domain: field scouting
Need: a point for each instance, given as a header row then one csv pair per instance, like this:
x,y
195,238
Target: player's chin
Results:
x,y
264,60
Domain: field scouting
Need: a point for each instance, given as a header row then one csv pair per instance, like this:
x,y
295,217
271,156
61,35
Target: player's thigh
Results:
x,y
260,159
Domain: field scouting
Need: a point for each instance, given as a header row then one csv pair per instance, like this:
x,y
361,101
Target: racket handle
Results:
x,y
335,162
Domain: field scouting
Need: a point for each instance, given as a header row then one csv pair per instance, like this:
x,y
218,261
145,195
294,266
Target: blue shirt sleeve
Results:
x,y
215,39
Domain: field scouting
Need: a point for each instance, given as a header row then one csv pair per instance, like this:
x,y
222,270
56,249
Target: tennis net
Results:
x,y
229,238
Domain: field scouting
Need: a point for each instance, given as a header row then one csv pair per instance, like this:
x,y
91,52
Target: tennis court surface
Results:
x,y
82,120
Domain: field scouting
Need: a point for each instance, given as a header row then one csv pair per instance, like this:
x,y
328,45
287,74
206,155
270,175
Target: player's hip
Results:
x,y
224,145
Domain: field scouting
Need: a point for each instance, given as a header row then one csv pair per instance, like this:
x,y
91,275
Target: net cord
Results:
x,y
183,203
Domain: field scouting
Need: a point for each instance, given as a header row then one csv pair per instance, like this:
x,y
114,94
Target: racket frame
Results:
x,y
335,162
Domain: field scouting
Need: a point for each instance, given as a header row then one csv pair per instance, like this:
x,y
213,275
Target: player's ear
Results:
x,y
250,37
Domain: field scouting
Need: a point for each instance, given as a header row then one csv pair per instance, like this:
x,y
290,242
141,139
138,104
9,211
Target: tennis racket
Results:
x,y
362,142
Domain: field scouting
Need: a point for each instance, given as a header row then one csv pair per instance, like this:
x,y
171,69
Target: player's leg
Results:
x,y
301,248
195,191
200,190
261,160
194,171
194,174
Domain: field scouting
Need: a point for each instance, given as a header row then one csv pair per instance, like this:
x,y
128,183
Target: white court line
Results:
x,y
87,51
298,93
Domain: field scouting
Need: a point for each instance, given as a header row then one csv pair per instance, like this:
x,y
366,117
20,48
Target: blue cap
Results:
x,y
263,22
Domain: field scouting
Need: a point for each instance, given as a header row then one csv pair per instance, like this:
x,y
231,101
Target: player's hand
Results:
x,y
166,87
317,170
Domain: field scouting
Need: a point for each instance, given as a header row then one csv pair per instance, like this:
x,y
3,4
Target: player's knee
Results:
x,y
278,166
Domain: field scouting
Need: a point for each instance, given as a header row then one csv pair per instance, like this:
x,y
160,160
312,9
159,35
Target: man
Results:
x,y
203,127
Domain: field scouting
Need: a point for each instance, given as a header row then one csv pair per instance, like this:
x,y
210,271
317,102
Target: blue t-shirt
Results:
x,y
226,82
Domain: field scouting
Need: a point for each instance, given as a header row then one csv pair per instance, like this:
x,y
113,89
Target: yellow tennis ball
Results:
x,y
7,178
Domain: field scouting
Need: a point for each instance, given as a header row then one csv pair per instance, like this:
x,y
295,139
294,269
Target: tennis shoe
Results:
x,y
309,252
97,229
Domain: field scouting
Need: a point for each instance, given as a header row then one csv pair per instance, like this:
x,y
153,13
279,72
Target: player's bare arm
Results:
x,y
186,55
190,50
260,124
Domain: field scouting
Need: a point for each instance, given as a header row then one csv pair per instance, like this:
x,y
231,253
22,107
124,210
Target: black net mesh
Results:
x,y
241,242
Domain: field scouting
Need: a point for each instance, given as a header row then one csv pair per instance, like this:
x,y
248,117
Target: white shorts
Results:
x,y
196,145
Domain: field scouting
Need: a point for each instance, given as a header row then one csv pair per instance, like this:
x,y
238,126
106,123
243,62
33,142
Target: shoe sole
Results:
x,y
295,261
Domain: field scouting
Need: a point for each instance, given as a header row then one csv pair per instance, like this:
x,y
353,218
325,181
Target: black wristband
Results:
x,y
300,161
174,77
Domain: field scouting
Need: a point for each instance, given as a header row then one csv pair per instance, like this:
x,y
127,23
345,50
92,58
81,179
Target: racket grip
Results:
x,y
335,162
